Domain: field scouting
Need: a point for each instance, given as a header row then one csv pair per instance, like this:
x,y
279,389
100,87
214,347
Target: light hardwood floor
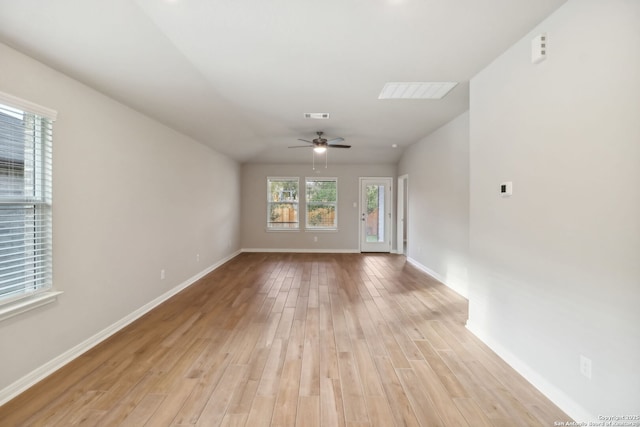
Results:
x,y
293,339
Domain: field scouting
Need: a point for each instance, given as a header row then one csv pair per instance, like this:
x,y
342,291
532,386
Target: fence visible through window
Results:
x,y
282,203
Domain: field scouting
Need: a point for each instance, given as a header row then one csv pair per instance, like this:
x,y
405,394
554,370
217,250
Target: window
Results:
x,y
25,198
282,203
322,203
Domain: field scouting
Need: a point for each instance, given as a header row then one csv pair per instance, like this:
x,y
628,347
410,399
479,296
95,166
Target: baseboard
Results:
x,y
53,365
311,251
557,396
438,277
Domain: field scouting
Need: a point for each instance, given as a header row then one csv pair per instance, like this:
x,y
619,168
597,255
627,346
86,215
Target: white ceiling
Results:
x,y
239,74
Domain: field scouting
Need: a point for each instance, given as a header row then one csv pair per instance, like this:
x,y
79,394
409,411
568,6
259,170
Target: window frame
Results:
x,y
35,258
314,228
269,223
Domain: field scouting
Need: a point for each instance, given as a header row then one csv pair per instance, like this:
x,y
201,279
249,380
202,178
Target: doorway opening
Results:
x,y
403,210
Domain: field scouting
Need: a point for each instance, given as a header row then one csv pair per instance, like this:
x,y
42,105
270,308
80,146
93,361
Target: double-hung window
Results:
x,y
322,203
25,199
282,204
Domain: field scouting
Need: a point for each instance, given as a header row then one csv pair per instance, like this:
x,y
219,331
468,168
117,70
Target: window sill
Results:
x,y
320,230
281,230
26,304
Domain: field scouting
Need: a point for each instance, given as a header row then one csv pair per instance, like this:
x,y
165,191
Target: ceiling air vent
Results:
x,y
416,90
317,116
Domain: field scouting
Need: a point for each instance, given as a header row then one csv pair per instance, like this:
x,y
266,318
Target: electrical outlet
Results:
x,y
315,238
585,366
197,257
162,274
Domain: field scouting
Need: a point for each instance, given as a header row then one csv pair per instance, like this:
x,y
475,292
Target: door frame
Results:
x,y
401,217
388,214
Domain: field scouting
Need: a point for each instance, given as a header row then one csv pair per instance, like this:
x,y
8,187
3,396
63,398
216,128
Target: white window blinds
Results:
x,y
25,198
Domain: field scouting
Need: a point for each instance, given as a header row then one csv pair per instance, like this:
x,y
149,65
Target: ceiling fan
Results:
x,y
321,144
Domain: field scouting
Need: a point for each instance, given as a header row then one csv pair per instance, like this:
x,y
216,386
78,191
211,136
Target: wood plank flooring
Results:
x,y
293,339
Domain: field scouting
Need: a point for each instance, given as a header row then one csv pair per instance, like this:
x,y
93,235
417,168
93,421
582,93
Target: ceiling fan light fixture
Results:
x,y
320,149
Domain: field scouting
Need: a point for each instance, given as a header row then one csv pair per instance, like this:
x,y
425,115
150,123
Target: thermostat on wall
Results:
x,y
506,189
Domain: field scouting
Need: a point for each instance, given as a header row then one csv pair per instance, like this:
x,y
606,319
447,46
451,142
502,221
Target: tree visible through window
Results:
x,y
322,203
282,203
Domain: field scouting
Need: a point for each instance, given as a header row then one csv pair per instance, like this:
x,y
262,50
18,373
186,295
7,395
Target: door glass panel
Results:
x,y
375,213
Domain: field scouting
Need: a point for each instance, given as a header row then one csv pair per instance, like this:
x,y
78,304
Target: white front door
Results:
x,y
375,214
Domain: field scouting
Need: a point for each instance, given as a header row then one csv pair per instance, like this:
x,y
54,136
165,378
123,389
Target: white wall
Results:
x,y
556,267
130,197
254,209
438,217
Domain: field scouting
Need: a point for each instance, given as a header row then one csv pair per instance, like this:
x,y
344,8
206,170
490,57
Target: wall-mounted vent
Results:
x,y
416,90
317,116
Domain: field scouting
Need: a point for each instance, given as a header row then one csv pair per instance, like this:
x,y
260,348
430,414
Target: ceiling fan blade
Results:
x,y
331,141
304,140
301,146
339,146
